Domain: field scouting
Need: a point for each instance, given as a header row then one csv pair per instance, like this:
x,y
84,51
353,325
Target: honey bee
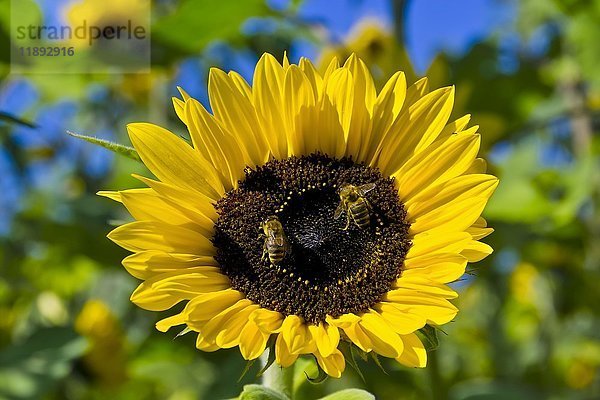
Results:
x,y
276,243
356,206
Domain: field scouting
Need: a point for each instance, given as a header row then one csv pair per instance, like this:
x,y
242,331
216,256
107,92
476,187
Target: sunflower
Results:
x,y
309,213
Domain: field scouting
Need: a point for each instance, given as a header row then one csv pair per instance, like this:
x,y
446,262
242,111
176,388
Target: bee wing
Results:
x,y
338,210
364,189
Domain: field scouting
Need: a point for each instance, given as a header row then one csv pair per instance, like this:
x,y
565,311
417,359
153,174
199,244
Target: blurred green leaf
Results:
x,y
350,394
197,23
29,369
491,391
259,392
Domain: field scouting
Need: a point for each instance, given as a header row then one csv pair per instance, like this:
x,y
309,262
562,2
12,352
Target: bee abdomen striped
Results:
x,y
360,213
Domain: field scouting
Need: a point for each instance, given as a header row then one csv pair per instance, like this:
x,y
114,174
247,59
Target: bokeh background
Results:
x,y
528,71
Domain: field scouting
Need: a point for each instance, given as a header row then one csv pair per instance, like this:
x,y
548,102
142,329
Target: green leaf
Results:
x,y
271,357
249,365
126,151
350,394
11,119
320,378
362,354
259,392
375,359
429,334
348,353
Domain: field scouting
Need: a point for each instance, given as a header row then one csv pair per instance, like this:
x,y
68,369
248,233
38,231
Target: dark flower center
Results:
x,y
322,269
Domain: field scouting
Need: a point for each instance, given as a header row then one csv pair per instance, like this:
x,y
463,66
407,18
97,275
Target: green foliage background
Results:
x,y
529,326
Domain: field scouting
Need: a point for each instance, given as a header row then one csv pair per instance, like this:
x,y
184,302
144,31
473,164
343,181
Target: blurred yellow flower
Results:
x,y
369,204
580,374
86,14
522,282
105,357
376,46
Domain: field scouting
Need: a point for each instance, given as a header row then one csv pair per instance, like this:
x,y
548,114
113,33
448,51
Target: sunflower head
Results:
x,y
310,210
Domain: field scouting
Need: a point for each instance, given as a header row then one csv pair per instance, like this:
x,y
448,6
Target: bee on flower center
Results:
x,y
276,243
353,202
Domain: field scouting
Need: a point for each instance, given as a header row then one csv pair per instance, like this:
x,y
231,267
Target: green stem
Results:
x,y
277,378
438,387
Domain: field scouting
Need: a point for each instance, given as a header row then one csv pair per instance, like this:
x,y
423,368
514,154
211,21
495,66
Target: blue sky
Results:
x,y
431,26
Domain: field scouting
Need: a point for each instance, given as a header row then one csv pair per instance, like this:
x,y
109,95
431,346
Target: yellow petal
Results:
x,y
443,161
423,285
205,345
386,109
435,309
266,320
215,143
479,233
385,341
456,216
225,327
173,161
285,62
415,129
194,205
167,323
399,320
461,187
455,126
333,66
241,84
164,291
364,95
326,337
476,251
267,91
333,364
148,205
479,229
349,323
183,93
299,113
479,166
234,110
416,91
147,264
253,341
110,195
283,356
179,105
442,267
313,77
231,329
335,113
150,235
207,305
414,354
432,243
295,333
